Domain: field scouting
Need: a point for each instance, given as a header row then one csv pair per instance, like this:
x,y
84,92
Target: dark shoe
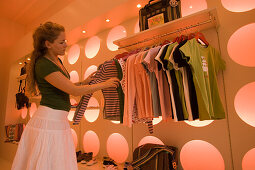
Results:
x,y
87,156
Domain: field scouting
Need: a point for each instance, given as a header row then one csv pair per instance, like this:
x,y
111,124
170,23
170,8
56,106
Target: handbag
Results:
x,y
14,132
21,99
155,157
157,13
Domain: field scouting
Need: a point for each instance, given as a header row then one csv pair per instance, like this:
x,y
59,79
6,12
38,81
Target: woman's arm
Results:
x,y
58,80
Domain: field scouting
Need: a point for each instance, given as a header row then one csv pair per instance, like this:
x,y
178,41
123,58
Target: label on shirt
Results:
x,y
204,65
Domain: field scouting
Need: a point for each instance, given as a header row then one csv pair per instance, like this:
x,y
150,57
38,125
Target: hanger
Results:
x,y
201,38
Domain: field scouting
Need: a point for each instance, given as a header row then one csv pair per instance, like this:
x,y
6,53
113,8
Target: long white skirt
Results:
x,y
46,143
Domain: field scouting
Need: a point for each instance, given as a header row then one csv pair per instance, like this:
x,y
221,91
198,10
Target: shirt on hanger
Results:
x,y
205,64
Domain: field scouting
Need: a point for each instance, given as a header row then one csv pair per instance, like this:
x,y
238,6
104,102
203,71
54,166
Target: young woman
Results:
x,y
46,143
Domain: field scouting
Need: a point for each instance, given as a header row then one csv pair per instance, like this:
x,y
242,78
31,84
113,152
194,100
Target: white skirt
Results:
x,y
46,143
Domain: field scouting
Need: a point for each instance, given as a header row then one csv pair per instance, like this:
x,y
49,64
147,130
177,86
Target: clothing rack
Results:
x,y
205,19
172,32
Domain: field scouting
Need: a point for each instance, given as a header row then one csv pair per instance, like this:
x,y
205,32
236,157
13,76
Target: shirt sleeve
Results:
x,y
219,63
44,68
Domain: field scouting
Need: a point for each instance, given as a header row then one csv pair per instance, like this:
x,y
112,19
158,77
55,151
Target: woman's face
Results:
x,y
58,47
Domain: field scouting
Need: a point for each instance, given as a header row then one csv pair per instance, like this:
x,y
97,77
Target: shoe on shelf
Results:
x,y
92,162
83,162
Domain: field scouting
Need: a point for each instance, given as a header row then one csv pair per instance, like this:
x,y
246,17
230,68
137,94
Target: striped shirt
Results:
x,y
111,103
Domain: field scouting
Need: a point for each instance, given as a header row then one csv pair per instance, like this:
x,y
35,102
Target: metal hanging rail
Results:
x,y
173,32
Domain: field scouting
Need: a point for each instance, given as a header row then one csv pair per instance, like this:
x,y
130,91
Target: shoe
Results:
x,y
105,162
79,156
92,162
87,156
83,162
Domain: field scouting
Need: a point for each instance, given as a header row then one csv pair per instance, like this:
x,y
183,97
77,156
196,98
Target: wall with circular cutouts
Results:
x,y
91,142
238,6
240,45
248,162
201,155
24,113
74,76
117,147
92,47
92,112
244,103
150,139
90,70
198,123
190,7
116,33
73,54
32,109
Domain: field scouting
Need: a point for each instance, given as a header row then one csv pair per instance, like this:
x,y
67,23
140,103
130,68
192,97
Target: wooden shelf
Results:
x,y
196,22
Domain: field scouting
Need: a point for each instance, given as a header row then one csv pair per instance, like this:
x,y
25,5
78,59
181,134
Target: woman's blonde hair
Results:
x,y
48,31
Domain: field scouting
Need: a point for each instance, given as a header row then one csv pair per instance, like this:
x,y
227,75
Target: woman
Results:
x,y
46,143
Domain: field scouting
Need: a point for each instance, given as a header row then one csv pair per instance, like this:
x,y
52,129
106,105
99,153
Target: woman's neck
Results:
x,y
52,57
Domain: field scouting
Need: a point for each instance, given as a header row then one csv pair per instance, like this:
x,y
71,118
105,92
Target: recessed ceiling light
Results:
x,y
83,31
190,6
107,20
139,6
124,31
28,59
20,63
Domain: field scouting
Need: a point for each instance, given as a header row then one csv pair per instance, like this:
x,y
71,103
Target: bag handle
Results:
x,y
163,1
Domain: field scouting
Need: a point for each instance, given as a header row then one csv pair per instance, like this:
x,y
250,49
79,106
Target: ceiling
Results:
x,y
73,14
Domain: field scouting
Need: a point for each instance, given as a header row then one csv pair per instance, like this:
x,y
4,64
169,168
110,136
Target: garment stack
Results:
x,y
177,80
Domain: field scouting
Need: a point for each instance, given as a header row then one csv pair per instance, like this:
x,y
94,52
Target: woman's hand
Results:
x,y
112,82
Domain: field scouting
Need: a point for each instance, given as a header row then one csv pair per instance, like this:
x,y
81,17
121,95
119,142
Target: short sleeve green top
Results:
x,y
51,96
205,64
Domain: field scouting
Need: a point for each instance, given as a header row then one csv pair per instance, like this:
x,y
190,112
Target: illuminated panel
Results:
x,y
73,54
115,121
24,113
32,109
116,33
117,147
241,46
70,115
90,70
91,142
248,162
75,139
201,155
157,120
92,47
244,103
91,114
238,5
190,7
137,28
198,123
150,139
74,77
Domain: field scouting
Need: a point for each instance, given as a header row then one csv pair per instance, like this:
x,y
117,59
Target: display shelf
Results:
x,y
195,22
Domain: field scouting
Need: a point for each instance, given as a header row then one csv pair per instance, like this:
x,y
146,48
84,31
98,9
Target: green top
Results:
x,y
205,64
51,96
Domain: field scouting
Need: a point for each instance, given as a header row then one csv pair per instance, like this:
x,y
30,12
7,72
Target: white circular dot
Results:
x,y
90,70
248,162
198,123
75,139
240,45
117,147
24,113
74,77
92,47
238,5
137,28
32,109
201,155
150,139
197,6
115,34
73,53
91,142
92,112
245,105
156,120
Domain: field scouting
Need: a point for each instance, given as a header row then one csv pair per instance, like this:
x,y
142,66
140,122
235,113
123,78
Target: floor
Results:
x,y
5,165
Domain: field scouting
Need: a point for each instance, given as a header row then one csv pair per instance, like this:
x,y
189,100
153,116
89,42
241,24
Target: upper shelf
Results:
x,y
196,22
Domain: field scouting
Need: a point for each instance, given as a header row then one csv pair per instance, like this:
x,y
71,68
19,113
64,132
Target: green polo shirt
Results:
x,y
51,96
